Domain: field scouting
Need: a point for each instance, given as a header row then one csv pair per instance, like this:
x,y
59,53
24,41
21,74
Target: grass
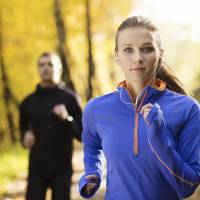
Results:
x,y
13,161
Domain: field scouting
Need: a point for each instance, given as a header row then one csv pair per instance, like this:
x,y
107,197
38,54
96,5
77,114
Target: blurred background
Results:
x,y
82,32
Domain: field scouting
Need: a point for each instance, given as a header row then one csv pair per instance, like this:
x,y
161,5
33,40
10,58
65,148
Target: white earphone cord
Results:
x,y
137,98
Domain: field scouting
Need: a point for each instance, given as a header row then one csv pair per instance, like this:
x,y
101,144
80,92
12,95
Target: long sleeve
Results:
x,y
92,149
23,120
179,165
76,123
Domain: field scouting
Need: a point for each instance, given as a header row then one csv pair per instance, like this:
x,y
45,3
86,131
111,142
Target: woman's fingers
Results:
x,y
147,106
92,177
145,110
89,188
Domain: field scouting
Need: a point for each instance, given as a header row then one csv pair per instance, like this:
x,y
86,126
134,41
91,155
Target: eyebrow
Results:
x,y
148,43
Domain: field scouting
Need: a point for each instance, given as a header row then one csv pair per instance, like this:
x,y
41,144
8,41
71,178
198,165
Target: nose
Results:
x,y
137,57
46,67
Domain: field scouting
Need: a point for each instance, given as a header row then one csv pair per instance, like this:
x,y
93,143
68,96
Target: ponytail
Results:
x,y
172,82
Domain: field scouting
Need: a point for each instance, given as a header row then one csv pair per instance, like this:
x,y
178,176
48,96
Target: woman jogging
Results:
x,y
148,129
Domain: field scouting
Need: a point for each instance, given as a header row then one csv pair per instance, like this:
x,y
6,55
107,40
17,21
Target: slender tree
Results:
x,y
1,135
61,33
90,55
7,94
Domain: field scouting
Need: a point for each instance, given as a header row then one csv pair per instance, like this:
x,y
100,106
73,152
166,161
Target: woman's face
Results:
x,y
138,53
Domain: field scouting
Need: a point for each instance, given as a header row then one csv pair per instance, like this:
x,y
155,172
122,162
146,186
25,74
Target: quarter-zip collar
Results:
x,y
149,91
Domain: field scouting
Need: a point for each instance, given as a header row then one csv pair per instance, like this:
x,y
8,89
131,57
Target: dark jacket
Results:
x,y
53,148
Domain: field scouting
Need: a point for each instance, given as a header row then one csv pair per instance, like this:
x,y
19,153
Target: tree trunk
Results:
x,y
1,135
61,33
6,92
90,55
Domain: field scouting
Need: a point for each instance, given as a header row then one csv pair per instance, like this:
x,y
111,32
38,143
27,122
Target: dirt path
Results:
x,y
16,189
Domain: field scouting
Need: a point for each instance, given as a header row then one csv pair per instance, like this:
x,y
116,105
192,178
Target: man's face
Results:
x,y
45,68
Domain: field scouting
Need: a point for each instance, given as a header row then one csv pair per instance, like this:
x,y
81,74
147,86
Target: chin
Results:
x,y
46,79
137,78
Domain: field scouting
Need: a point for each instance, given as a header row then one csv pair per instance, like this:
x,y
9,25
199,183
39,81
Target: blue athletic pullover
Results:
x,y
153,160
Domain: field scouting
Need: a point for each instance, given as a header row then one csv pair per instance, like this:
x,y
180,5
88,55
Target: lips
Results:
x,y
137,69
46,72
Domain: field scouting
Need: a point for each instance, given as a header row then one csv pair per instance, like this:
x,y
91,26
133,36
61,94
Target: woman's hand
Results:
x,y
61,111
145,110
89,188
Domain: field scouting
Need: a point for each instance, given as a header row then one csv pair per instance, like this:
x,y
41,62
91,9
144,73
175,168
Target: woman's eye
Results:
x,y
128,50
147,49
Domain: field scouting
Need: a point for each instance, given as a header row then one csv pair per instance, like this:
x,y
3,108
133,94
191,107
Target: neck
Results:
x,y
136,87
47,84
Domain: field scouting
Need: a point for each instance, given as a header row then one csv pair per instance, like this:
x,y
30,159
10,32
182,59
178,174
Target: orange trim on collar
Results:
x,y
161,85
122,84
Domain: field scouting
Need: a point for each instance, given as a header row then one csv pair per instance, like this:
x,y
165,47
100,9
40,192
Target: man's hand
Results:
x,y
29,139
61,111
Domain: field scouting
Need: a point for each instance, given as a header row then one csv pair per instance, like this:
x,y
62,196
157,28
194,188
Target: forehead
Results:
x,y
45,59
136,36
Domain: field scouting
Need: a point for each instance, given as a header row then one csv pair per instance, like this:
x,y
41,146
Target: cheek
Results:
x,y
40,71
123,65
152,61
124,61
50,70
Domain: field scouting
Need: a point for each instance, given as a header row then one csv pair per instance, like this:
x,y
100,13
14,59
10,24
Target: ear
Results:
x,y
161,52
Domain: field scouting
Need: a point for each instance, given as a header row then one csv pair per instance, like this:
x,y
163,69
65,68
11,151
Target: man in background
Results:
x,y
50,118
